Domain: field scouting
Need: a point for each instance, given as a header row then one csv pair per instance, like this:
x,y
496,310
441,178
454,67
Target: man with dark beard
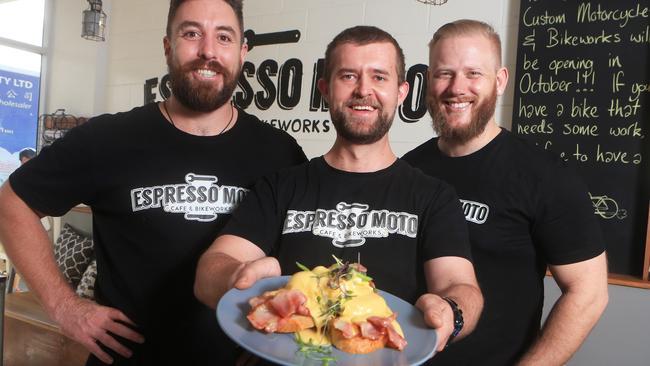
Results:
x,y
355,201
525,210
161,179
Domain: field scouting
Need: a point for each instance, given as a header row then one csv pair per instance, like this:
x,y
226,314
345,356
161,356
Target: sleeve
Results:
x,y
565,227
61,176
281,149
444,230
297,154
258,218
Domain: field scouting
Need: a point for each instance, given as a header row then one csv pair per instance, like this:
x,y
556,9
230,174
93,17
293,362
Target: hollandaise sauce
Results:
x,y
314,285
364,302
352,298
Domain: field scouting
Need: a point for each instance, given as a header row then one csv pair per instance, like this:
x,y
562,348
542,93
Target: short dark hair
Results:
x,y
236,5
363,35
26,153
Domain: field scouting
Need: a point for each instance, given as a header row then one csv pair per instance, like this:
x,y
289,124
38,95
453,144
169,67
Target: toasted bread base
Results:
x,y
294,323
357,344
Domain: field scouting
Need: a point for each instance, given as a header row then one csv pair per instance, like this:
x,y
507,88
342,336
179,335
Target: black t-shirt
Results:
x,y
394,220
159,196
524,209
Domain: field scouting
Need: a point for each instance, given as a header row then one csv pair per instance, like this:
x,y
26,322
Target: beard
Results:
x,y
460,135
347,126
199,95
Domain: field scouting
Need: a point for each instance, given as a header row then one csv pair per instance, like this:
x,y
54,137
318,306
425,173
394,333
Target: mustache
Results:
x,y
363,101
460,99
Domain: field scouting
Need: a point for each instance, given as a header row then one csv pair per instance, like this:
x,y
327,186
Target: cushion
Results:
x,y
86,287
73,252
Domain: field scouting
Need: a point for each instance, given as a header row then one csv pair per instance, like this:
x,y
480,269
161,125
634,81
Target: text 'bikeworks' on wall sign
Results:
x,y
582,91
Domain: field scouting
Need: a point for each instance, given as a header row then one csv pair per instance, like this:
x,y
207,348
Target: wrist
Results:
x,y
61,305
458,321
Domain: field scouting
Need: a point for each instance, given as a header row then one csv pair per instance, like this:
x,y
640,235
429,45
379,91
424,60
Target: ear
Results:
x,y
167,46
402,92
323,87
502,80
242,53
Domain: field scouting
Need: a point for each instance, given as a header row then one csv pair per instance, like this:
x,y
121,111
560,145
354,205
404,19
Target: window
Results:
x,y
21,54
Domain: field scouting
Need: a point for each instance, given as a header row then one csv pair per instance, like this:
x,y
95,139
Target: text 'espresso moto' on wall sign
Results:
x,y
582,87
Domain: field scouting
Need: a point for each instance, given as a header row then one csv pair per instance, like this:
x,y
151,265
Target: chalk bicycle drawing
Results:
x,y
607,208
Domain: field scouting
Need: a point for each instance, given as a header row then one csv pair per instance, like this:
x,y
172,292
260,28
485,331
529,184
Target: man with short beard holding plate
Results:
x,y
161,180
357,202
525,210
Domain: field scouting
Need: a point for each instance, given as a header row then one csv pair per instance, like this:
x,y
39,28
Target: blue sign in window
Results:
x,y
19,95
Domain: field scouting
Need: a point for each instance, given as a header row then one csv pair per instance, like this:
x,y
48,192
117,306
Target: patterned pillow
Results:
x,y
73,252
86,287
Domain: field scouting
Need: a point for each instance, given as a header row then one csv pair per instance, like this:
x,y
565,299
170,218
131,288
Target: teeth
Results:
x,y
459,105
362,108
207,73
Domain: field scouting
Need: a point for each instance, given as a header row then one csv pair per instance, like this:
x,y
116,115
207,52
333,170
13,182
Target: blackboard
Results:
x,y
582,90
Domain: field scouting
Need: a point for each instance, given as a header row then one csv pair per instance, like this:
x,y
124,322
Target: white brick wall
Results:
x,y
91,78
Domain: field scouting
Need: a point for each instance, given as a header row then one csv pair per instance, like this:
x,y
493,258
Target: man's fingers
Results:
x,y
435,319
98,352
256,270
245,280
125,332
118,315
246,276
110,342
423,302
270,267
442,344
433,308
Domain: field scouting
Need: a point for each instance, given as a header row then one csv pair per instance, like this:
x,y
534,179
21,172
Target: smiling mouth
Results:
x,y
458,106
364,108
206,73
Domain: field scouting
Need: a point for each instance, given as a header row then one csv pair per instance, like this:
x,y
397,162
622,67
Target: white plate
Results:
x,y
282,348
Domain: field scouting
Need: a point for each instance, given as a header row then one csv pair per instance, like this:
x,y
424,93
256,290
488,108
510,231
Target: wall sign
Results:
x,y
582,89
279,83
19,95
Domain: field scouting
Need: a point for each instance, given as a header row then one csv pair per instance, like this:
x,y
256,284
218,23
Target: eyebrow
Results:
x,y
381,72
190,23
375,71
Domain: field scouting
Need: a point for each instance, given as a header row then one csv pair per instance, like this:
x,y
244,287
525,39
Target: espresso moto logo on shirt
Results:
x,y
199,199
350,224
475,212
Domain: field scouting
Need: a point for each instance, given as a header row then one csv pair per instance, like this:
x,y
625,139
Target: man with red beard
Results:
x,y
358,200
162,180
525,210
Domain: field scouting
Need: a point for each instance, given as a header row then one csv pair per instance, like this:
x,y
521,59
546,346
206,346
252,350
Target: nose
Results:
x,y
207,48
364,86
458,85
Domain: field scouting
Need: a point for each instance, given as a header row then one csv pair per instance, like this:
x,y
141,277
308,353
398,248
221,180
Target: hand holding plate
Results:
x,y
437,315
250,272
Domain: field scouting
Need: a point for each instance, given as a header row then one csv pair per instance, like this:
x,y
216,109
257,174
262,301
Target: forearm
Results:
x,y
30,250
568,324
213,276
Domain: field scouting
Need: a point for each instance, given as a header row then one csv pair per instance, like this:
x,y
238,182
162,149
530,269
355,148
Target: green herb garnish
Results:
x,y
302,267
315,352
345,270
330,308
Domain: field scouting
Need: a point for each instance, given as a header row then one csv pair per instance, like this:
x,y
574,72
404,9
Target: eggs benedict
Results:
x,y
338,305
